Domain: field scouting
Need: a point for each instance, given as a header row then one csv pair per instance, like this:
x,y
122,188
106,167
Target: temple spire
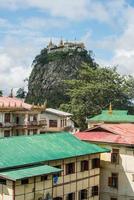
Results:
x,y
110,108
11,93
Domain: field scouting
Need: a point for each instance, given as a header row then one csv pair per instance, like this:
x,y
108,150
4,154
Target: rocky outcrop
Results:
x,y
46,81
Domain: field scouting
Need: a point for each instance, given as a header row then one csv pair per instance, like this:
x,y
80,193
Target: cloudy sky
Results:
x,y
105,26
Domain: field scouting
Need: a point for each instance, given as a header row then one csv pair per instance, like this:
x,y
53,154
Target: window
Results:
x,y
59,167
44,178
83,194
6,133
53,123
34,131
95,190
70,168
7,117
17,120
95,163
115,156
71,196
84,165
35,118
57,198
113,180
61,123
65,122
3,181
24,181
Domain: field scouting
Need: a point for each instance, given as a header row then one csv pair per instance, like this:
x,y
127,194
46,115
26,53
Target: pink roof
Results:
x,y
13,103
109,133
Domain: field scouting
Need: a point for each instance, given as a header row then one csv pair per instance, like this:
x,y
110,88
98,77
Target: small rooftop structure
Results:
x,y
114,116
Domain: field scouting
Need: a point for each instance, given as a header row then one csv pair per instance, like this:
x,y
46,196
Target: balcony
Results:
x,y
6,125
36,123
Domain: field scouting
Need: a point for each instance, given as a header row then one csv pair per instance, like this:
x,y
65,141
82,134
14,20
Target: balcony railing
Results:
x,y
25,124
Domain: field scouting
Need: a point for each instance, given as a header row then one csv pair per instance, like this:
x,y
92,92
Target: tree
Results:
x,y
94,90
21,93
1,93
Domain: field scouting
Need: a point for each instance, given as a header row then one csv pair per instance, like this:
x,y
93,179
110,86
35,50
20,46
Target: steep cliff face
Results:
x,y
46,81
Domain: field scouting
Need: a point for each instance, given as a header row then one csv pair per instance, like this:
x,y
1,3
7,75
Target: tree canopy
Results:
x,y
1,93
94,89
21,93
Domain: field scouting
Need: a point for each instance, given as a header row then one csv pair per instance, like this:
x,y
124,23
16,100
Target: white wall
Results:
x,y
125,170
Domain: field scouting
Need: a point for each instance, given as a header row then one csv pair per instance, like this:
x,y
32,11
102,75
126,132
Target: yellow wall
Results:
x,y
65,185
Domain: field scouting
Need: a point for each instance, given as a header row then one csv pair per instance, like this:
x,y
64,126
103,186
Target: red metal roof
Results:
x,y
109,133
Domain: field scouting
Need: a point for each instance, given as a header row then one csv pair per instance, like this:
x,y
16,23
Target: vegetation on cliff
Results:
x,y
46,81
73,81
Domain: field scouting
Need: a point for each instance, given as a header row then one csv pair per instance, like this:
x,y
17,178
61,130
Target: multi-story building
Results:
x,y
57,120
19,118
117,167
54,166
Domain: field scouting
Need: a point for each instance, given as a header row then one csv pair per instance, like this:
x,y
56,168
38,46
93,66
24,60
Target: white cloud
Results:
x,y
103,11
16,57
38,23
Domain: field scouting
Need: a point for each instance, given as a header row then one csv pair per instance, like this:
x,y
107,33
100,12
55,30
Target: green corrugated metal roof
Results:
x,y
28,172
116,116
24,150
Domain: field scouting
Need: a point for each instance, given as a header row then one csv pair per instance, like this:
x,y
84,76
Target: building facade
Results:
x,y
57,120
19,118
117,167
49,167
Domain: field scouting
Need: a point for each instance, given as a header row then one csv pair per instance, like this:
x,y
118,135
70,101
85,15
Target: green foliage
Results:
x,y
21,93
49,72
1,93
94,90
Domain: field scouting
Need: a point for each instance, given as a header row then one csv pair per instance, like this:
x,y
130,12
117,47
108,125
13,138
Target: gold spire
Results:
x,y
50,43
61,43
110,108
11,94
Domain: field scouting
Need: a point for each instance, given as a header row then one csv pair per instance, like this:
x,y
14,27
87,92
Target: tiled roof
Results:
x,y
25,150
14,103
109,133
116,116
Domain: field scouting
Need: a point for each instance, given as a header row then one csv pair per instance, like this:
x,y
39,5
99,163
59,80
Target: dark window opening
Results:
x,y
83,194
57,198
70,168
24,181
95,163
71,196
53,123
84,165
3,181
6,133
7,117
113,180
44,178
95,190
115,156
58,173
